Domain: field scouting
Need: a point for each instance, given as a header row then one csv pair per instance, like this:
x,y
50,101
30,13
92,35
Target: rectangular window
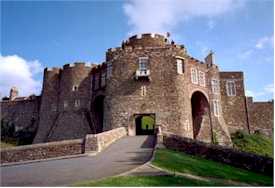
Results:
x,y
194,76
230,88
77,103
215,86
54,108
216,107
96,81
65,104
103,79
180,66
202,78
143,91
109,70
143,63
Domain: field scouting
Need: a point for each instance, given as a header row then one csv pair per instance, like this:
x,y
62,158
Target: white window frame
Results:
x,y
194,75
109,70
143,90
215,85
230,88
202,78
143,63
216,107
103,79
180,66
54,107
65,104
77,103
96,81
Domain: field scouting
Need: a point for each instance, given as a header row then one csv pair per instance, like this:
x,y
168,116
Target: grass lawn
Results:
x,y
254,143
181,162
140,181
218,174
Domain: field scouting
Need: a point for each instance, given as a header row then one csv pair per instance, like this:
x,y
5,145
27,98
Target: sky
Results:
x,y
39,34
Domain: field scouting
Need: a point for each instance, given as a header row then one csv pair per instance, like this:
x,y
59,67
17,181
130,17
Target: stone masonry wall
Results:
x,y
92,142
98,142
218,153
261,116
23,113
234,107
42,151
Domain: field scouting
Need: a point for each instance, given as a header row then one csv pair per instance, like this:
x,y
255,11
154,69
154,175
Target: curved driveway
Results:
x,y
123,155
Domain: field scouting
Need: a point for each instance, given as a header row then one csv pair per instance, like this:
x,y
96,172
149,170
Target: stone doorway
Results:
x,y
98,113
145,124
201,117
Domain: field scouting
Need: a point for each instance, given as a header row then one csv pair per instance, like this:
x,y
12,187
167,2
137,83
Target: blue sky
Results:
x,y
42,34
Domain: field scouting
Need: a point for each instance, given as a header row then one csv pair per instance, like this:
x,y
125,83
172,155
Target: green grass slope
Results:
x,y
253,143
145,181
181,162
216,174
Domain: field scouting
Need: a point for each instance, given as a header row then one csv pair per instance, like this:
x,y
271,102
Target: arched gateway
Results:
x,y
201,117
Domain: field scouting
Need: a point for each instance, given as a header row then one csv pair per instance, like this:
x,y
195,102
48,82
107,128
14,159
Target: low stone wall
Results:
x,y
222,154
98,142
42,151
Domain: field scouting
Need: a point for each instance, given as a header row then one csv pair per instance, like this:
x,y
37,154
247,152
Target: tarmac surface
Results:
x,y
121,156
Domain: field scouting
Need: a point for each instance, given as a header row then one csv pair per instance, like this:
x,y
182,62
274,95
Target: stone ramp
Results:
x,y
123,155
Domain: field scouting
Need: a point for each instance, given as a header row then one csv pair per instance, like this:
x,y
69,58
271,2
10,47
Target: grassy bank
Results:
x,y
253,143
216,174
181,162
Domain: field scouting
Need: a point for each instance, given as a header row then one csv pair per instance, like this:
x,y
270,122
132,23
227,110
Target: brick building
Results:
x,y
147,76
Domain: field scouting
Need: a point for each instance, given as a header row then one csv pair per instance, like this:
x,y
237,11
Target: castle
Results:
x,y
148,76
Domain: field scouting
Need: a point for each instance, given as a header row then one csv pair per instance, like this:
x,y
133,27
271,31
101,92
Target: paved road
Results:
x,y
123,155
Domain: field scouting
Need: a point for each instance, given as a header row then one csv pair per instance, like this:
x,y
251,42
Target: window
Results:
x,y
96,81
65,104
143,63
194,76
75,88
230,88
215,86
143,90
54,108
201,78
103,79
180,66
77,103
216,106
109,70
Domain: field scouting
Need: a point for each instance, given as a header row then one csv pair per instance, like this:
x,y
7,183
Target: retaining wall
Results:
x,y
222,154
92,142
98,142
42,151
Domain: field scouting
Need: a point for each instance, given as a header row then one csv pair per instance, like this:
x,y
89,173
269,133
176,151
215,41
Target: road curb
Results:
x,y
47,159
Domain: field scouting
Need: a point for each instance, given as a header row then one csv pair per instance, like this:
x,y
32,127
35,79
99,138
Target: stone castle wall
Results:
x,y
261,116
22,113
234,106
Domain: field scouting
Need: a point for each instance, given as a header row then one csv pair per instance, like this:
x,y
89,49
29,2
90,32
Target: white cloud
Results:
x,y
164,15
265,41
16,71
211,24
267,90
245,54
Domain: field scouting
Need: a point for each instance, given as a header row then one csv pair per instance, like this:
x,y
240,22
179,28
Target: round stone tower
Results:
x,y
152,76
